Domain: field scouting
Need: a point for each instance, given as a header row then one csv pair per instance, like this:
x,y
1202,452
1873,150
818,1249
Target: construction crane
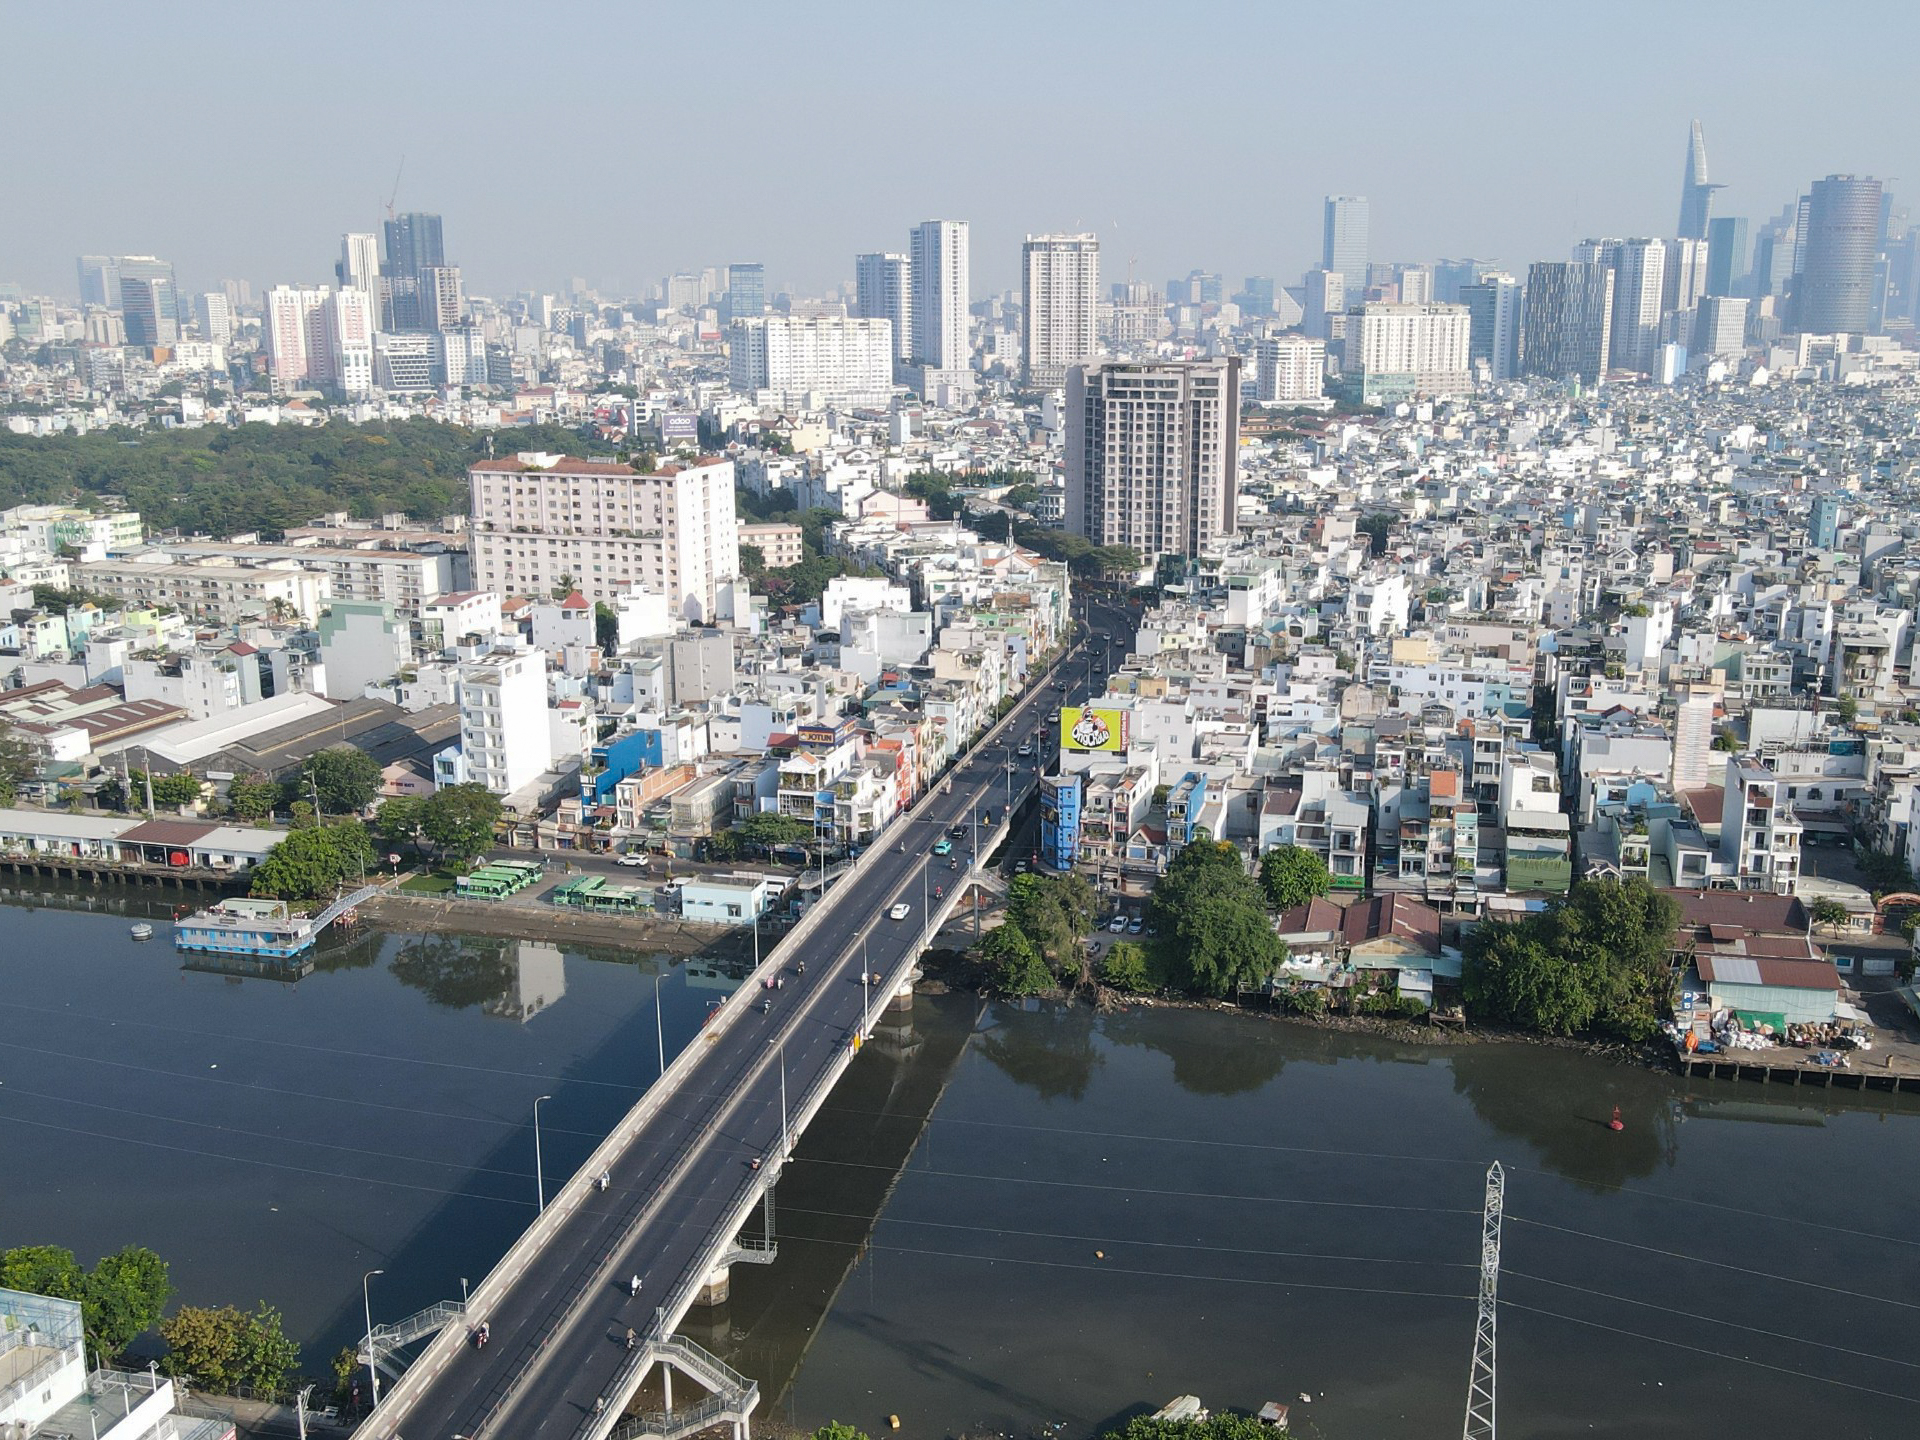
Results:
x,y
1480,1389
394,194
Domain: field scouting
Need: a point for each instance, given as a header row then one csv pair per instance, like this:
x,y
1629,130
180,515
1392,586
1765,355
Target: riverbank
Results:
x,y
650,934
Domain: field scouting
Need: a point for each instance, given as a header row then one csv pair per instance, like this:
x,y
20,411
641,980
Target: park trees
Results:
x,y
1292,875
224,1348
314,862
345,779
459,821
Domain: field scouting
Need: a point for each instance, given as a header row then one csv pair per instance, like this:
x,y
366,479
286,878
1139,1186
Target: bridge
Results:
x,y
693,1166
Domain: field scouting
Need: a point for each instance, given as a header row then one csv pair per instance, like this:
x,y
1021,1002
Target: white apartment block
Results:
x,y
780,544
795,362
941,278
505,741
1290,368
209,592
1419,349
1060,278
1152,454
319,338
1639,285
404,579
541,520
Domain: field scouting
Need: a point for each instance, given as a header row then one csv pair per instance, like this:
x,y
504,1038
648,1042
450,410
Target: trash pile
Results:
x,y
1727,1031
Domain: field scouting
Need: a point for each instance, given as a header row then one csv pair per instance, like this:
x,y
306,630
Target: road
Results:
x,y
559,1329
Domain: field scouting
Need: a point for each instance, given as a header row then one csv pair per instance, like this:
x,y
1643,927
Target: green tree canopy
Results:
x,y
1125,968
43,1270
397,822
1595,961
459,820
1054,912
18,764
252,797
1013,961
345,778
1212,919
1827,911
224,1348
1292,875
125,1293
315,862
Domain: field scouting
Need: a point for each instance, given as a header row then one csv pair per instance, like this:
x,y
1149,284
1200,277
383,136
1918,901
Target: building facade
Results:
x,y
942,278
1344,242
794,361
1060,280
1835,291
1567,327
1290,368
1401,351
883,290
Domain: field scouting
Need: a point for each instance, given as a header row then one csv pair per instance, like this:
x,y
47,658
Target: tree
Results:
x,y
765,831
1214,1427
345,779
315,862
1292,875
1846,710
224,1349
1884,874
1125,968
606,626
125,1294
1055,913
112,794
397,821
43,1270
1014,961
1595,961
18,764
251,797
837,1430
1826,911
753,561
1376,528
1726,742
1212,916
459,820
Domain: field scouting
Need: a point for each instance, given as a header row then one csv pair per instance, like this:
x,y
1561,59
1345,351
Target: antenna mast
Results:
x,y
1480,1407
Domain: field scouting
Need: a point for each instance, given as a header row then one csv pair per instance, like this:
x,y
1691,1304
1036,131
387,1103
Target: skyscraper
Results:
x,y
1567,328
1344,241
1493,321
1326,298
883,290
1400,351
1060,288
1721,327
941,283
215,314
1696,194
1450,277
146,267
1835,292
746,291
148,305
413,246
1726,255
1640,270
359,264
99,281
1153,454
440,300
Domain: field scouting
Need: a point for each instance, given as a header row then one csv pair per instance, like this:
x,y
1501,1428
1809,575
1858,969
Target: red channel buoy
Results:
x,y
1616,1123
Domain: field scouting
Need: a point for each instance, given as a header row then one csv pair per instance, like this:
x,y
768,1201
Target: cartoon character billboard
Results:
x,y
1087,729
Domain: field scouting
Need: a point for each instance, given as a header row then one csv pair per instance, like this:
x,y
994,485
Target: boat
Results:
x,y
262,929
141,930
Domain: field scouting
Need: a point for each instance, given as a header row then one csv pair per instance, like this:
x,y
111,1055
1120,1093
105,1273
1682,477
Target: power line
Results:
x,y
1746,1270
1714,1354
1666,1309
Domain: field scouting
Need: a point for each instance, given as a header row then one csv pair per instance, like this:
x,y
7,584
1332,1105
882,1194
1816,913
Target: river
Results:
x,y
1010,1217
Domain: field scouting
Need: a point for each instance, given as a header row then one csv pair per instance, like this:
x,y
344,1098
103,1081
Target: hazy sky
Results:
x,y
620,142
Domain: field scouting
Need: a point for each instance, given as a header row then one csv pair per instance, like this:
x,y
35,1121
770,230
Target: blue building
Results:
x,y
626,755
1060,797
1184,805
1823,529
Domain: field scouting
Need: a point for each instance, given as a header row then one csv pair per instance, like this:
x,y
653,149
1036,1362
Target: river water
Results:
x,y
1010,1217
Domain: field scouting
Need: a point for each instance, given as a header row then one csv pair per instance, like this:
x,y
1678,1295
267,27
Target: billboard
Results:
x,y
679,425
1088,729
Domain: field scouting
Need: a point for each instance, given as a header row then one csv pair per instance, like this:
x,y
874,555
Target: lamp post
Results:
x,y
366,1300
539,1179
659,1025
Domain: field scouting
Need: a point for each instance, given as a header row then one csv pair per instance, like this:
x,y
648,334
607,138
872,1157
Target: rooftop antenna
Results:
x,y
394,194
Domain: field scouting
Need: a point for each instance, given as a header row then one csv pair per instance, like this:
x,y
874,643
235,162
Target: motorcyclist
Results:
x,y
633,1286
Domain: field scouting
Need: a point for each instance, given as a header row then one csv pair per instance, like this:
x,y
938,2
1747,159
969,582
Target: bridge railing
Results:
x,y
387,1417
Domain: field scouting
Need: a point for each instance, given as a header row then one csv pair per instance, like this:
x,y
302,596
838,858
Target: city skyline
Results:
x,y
1521,175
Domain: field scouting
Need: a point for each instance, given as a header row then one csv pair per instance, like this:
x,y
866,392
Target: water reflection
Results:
x,y
1231,1058
1047,1047
459,972
1561,1104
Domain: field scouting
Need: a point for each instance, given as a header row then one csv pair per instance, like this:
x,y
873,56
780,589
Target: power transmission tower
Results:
x,y
1480,1410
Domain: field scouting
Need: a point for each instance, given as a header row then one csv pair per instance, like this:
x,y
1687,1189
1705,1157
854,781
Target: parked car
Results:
x,y
632,862
1118,924
1134,925
900,911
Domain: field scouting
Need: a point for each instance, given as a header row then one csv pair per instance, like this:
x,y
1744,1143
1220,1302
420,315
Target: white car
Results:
x,y
900,911
632,862
1117,925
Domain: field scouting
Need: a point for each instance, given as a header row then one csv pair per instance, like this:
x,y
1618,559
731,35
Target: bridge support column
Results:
x,y
903,997
718,1288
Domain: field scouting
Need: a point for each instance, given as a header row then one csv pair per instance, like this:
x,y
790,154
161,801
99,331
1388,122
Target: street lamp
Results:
x,y
659,1025
366,1300
539,1179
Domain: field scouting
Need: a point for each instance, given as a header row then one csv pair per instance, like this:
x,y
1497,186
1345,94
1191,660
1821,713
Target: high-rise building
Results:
x,y
1835,290
1289,368
152,314
942,279
1726,255
1696,194
1326,298
1344,244
1415,284
413,243
439,297
349,330
358,267
1720,330
293,334
1060,288
1401,351
1152,454
795,361
1493,325
883,290
1256,297
540,517
746,291
505,736
99,281
1823,525
404,363
1450,277
1566,329
1685,279
215,315
1639,269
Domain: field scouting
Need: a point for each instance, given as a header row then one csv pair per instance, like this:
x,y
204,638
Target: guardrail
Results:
x,y
382,1424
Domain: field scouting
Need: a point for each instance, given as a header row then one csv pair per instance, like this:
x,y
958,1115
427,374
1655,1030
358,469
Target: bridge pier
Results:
x,y
718,1288
902,998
